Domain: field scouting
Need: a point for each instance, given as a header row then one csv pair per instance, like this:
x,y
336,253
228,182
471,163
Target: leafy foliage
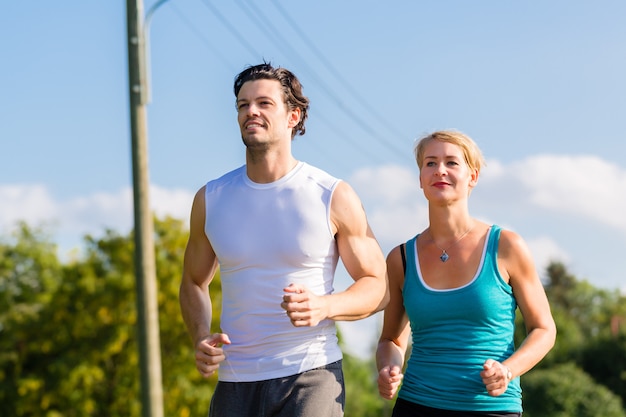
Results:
x,y
361,389
28,277
566,391
69,333
605,360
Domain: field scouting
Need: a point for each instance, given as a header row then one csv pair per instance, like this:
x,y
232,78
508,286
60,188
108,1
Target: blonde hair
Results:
x,y
471,152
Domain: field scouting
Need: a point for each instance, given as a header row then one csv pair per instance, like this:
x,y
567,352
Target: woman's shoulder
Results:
x,y
510,239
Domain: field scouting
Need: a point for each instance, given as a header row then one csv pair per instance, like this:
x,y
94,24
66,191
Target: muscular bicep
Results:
x,y
200,261
358,247
199,266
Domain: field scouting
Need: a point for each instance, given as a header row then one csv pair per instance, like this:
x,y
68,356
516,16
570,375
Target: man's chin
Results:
x,y
253,143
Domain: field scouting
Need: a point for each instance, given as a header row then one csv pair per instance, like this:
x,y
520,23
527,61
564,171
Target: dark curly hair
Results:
x,y
292,89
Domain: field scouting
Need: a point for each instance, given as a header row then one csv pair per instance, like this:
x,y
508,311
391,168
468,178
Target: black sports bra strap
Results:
x,y
403,257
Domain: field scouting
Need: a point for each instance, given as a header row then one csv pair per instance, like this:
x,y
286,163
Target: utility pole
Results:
x,y
145,266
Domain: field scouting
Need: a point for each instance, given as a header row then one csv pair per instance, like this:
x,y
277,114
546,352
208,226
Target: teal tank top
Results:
x,y
454,332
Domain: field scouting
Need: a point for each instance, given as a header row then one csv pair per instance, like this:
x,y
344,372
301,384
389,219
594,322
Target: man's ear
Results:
x,y
294,117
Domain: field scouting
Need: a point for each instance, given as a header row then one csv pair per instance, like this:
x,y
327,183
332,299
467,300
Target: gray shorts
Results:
x,y
319,392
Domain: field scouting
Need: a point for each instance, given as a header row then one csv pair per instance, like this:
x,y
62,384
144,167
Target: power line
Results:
x,y
290,21
202,37
223,20
283,44
279,41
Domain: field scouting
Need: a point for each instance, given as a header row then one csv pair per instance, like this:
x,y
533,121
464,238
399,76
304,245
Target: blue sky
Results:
x,y
540,86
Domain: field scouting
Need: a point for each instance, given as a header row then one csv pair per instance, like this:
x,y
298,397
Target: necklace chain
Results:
x,y
444,252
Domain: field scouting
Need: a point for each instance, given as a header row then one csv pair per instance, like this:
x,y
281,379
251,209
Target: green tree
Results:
x,y
69,331
186,392
605,359
90,367
362,399
28,279
566,391
586,318
592,308
591,331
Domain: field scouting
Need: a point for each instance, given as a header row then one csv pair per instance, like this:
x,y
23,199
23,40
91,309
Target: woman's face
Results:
x,y
444,174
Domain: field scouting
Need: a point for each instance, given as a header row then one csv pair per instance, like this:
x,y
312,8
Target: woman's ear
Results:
x,y
474,178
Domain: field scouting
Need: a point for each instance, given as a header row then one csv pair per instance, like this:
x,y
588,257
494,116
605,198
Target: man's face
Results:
x,y
263,115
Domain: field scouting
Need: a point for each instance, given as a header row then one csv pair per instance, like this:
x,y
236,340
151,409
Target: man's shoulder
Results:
x,y
320,175
227,178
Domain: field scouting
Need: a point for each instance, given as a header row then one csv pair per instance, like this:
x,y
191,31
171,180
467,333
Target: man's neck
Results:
x,y
269,169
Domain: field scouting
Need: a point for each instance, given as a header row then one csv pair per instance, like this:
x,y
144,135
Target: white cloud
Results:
x,y
581,185
393,200
546,250
91,214
389,183
96,212
175,203
31,203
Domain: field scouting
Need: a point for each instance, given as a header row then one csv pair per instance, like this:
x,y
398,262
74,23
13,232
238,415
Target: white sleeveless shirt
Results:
x,y
267,236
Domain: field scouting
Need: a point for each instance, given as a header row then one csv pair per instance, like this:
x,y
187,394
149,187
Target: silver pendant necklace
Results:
x,y
444,252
